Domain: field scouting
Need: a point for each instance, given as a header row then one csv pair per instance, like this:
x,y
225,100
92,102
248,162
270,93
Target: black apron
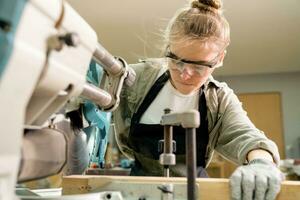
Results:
x,y
144,138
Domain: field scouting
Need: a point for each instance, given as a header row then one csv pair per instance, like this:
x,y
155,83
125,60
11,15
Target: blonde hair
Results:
x,y
201,20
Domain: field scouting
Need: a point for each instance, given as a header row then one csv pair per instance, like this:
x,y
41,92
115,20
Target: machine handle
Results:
x,y
114,66
95,94
110,64
129,80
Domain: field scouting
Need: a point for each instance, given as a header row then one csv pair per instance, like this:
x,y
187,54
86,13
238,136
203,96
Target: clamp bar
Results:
x,y
190,146
188,119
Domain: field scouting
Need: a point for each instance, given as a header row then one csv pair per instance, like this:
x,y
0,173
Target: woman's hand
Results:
x,y
258,180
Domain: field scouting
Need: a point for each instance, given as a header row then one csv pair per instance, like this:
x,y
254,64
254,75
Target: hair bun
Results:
x,y
216,4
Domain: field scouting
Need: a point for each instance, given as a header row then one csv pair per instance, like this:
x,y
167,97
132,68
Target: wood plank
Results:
x,y
209,188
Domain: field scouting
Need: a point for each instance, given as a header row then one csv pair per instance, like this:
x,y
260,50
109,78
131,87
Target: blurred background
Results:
x,y
262,63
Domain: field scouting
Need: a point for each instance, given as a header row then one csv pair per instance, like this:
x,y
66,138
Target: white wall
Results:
x,y
288,84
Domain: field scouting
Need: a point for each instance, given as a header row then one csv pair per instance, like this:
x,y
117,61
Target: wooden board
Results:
x,y
209,188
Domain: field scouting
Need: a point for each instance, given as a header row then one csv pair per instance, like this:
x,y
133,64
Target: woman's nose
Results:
x,y
185,74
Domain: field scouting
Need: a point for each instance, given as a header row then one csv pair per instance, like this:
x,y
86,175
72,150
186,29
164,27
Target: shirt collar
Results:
x,y
212,81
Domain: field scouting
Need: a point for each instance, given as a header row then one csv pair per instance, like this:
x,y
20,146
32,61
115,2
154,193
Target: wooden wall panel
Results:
x,y
264,110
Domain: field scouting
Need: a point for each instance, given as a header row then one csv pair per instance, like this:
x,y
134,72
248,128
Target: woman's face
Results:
x,y
185,64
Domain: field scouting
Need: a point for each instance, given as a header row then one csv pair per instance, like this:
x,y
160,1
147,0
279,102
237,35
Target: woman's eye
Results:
x,y
199,67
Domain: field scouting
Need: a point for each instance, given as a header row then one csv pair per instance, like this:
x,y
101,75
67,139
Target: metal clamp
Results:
x,y
190,120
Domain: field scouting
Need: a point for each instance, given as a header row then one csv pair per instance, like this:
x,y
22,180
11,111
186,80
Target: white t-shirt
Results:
x,y
169,97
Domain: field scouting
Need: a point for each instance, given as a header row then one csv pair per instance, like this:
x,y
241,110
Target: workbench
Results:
x,y
207,188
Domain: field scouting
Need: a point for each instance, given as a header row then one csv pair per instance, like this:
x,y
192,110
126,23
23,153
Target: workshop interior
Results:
x,y
63,64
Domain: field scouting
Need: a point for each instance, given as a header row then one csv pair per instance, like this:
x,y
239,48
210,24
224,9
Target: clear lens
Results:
x,y
192,68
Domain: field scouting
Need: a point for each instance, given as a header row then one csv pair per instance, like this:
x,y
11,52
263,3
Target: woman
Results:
x,y
196,41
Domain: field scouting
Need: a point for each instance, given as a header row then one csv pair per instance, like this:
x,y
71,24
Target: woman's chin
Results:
x,y
185,89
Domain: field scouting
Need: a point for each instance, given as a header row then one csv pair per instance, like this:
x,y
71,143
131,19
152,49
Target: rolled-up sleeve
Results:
x,y
237,134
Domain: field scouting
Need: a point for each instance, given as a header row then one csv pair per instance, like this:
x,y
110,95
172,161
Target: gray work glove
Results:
x,y
258,180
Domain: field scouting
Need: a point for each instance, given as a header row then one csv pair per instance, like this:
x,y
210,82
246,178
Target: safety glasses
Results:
x,y
197,66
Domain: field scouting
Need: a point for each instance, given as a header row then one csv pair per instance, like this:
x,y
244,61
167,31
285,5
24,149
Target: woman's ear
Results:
x,y
222,56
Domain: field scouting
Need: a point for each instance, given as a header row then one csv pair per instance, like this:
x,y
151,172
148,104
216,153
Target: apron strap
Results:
x,y
202,131
151,95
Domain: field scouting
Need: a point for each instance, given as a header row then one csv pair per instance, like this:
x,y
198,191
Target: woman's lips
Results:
x,y
182,83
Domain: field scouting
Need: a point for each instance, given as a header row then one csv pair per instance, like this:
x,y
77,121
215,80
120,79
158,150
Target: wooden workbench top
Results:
x,y
209,188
